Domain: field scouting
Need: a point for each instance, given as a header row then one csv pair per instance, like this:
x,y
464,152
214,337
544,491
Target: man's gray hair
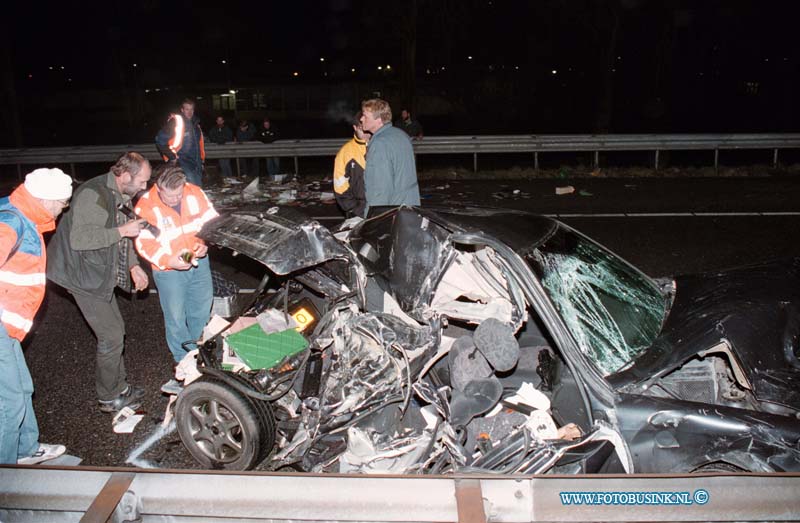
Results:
x,y
129,163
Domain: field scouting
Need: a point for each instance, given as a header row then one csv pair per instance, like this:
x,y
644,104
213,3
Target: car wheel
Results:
x,y
221,427
266,415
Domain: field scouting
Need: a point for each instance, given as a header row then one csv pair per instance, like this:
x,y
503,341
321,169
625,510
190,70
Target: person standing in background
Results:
x,y
246,133
268,134
221,134
181,141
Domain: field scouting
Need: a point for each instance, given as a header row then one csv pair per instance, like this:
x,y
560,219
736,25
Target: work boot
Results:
x,y
130,397
45,452
172,387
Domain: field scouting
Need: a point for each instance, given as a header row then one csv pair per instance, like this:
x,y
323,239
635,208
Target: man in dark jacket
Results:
x,y
90,255
181,141
221,134
268,134
412,127
246,133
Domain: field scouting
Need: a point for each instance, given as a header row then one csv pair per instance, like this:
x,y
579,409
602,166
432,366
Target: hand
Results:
x,y
139,278
132,228
200,250
178,263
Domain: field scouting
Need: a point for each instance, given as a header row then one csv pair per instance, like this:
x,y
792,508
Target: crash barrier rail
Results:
x,y
454,145
75,493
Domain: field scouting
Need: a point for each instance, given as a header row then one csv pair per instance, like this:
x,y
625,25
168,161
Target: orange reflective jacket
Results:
x,y
22,273
177,230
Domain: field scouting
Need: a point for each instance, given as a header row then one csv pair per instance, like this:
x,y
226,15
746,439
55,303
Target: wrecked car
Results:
x,y
436,341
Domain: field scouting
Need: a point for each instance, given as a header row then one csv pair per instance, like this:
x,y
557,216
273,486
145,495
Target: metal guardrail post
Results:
x,y
596,162
469,501
296,165
107,500
775,158
655,164
474,162
536,160
716,160
19,172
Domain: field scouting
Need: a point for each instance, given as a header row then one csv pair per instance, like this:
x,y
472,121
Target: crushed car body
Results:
x,y
481,340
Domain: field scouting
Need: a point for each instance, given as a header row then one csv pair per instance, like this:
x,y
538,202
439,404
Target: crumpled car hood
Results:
x,y
755,308
282,245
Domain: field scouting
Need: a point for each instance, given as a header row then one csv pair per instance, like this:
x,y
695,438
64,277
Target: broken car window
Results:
x,y
613,311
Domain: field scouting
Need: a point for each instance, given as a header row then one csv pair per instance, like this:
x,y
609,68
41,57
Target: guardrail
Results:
x,y
71,493
474,145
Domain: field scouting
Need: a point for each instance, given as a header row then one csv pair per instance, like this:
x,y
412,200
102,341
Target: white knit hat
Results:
x,y
49,184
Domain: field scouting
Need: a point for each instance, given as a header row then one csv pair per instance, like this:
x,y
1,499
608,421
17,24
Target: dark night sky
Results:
x,y
91,38
673,60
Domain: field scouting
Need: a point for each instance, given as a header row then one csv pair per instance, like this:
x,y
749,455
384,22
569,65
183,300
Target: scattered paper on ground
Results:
x,y
126,420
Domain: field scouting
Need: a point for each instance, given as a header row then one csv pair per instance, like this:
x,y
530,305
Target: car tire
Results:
x,y
222,428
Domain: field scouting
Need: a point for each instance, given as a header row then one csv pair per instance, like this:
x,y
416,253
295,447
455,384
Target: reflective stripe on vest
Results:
x,y
14,319
23,280
194,206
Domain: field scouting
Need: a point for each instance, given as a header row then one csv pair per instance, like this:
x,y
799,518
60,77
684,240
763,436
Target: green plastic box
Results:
x,y
263,351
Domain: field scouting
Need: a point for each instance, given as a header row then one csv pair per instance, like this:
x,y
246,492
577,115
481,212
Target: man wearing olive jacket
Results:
x,y
90,255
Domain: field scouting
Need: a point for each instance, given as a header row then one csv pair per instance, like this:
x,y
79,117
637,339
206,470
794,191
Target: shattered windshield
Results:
x,y
613,311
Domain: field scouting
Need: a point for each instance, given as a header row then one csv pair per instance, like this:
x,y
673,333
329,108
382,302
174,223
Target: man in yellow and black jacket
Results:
x,y
348,172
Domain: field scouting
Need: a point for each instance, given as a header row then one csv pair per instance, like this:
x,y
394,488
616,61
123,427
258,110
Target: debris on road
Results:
x,y
567,189
278,191
126,420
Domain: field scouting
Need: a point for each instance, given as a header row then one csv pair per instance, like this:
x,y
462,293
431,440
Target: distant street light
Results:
x,y
554,71
322,59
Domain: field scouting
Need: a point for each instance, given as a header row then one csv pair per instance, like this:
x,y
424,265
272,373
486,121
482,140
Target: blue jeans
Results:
x,y
273,166
19,432
186,298
194,173
225,167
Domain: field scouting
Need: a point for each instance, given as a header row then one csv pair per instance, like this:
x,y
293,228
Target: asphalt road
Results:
x,y
747,220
